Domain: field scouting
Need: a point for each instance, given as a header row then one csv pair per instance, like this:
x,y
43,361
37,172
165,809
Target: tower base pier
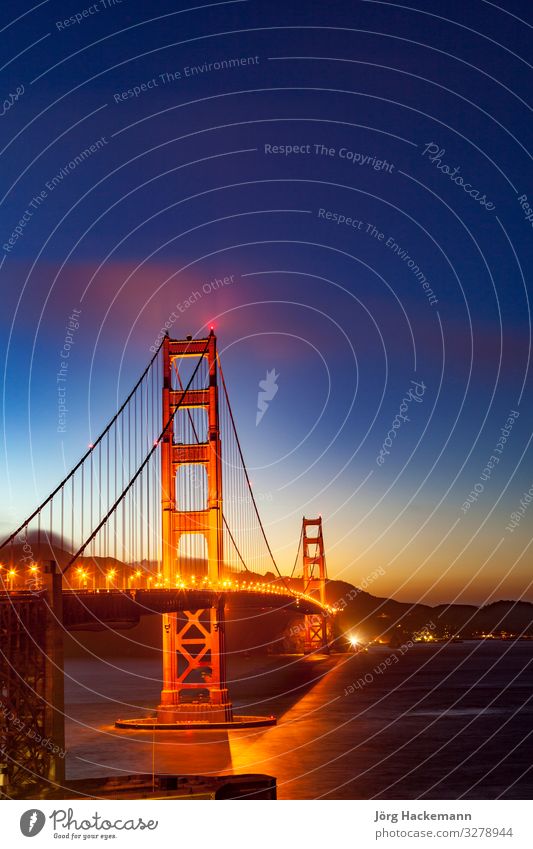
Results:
x,y
153,723
214,710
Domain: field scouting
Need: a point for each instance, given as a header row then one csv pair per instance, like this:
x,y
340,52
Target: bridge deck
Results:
x,y
93,609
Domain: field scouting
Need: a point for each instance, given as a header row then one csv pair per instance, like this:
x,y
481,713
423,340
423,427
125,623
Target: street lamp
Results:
x,y
110,574
354,642
82,577
35,574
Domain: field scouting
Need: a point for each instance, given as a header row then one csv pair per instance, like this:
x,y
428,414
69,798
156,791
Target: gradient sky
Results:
x,y
181,191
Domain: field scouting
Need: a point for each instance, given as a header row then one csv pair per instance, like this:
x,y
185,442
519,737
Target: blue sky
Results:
x,y
181,191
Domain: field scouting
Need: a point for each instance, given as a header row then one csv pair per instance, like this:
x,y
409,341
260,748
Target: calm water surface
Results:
x,y
445,721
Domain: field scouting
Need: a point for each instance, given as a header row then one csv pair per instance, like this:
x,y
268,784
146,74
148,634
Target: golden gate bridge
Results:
x,y
157,517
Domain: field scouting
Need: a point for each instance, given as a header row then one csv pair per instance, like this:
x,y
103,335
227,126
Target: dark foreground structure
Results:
x,y
181,787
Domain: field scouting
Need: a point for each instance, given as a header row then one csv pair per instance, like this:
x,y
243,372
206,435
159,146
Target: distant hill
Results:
x,y
362,614
388,620
366,616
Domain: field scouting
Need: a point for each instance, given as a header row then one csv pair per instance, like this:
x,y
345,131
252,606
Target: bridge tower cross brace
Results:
x,y
193,641
314,579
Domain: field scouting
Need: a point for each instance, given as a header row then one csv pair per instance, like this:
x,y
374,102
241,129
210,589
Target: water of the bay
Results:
x,y
443,721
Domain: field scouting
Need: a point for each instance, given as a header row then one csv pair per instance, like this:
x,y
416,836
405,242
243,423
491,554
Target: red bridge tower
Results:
x,y
193,641
314,578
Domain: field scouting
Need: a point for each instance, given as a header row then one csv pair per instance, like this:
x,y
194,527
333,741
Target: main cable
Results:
x,y
248,480
86,455
141,467
195,432
298,552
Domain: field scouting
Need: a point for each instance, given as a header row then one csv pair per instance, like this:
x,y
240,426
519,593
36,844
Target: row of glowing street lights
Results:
x,y
83,578
31,577
204,583
9,576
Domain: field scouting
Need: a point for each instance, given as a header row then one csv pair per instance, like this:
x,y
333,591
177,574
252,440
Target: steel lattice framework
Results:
x,y
314,577
193,641
31,719
158,516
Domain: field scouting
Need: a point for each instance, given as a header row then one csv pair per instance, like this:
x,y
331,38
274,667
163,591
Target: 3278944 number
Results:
x,y
487,832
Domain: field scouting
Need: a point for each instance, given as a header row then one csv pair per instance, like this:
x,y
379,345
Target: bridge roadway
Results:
x,y
98,609
127,606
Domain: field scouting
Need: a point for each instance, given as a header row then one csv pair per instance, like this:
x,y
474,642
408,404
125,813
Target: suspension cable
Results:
x,y
298,552
248,480
141,467
235,544
87,453
193,426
